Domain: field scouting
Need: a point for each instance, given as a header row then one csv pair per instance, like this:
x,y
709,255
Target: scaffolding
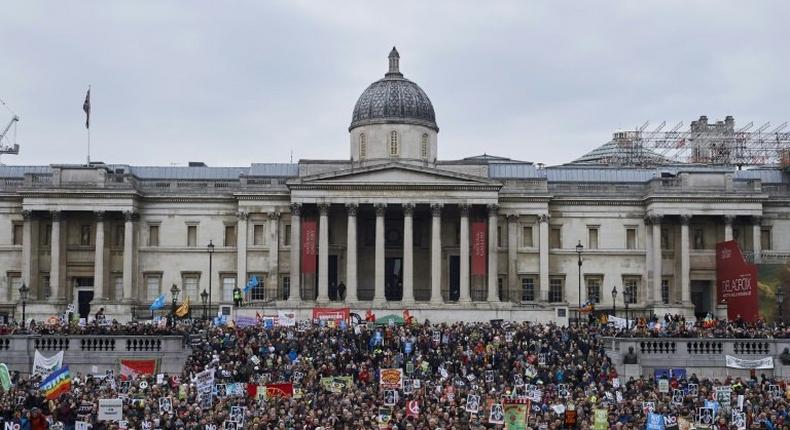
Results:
x,y
706,143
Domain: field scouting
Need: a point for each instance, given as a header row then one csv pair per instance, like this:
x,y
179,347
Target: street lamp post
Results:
x,y
174,292
210,275
626,299
614,300
579,249
23,290
204,299
780,299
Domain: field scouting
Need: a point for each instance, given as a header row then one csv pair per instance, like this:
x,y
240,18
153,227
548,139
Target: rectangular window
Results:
x,y
228,284
286,283
230,235
153,235
631,289
191,235
765,238
594,289
46,234
592,237
666,239
528,289
45,285
14,283
85,234
526,236
665,291
556,290
699,238
555,238
117,286
191,284
287,235
738,236
257,293
257,235
153,286
117,236
18,232
499,236
630,238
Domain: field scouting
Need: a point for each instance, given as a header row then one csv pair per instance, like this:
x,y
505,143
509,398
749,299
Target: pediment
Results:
x,y
396,174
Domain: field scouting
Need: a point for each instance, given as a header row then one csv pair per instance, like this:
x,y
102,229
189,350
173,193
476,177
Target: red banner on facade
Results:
x,y
309,245
131,368
737,282
335,314
479,244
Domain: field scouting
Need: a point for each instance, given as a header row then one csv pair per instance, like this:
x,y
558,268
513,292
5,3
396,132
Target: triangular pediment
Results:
x,y
395,174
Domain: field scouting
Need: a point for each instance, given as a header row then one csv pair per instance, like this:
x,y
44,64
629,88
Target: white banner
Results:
x,y
737,363
286,318
45,365
110,410
620,322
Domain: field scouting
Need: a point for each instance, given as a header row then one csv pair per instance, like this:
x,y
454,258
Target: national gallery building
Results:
x,y
389,228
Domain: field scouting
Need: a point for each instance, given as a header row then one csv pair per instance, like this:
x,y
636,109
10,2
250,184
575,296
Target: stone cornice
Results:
x,y
569,201
81,194
395,187
707,198
190,199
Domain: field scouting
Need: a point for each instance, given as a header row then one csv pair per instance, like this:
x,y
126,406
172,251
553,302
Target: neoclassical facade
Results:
x,y
392,227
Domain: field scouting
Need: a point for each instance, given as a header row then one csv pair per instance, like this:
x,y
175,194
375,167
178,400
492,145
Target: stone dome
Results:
x,y
394,100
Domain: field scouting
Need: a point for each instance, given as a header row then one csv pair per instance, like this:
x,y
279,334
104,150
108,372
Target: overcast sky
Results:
x,y
235,82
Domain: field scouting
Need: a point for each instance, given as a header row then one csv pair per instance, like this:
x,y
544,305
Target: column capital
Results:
x,y
55,215
493,209
99,215
436,209
27,215
729,219
296,209
651,219
544,218
274,215
242,215
757,219
408,209
464,208
323,208
685,219
352,209
512,218
381,209
131,216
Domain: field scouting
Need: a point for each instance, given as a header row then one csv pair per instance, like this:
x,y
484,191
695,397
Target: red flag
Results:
x,y
413,409
407,318
280,390
479,248
309,246
370,316
131,368
86,106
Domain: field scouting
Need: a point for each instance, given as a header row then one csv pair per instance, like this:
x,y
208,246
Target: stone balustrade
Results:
x,y
81,352
703,356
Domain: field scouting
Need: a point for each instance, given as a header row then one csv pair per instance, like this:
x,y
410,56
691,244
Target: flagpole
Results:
x,y
87,124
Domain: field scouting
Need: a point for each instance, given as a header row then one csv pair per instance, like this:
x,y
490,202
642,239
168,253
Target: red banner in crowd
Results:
x,y
737,282
336,314
479,246
285,390
309,245
132,368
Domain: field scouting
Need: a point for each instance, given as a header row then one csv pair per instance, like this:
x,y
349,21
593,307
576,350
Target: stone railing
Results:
x,y
81,352
703,356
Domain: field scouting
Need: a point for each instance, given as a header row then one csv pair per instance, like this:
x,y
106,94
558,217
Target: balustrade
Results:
x,y
657,347
97,344
144,344
51,343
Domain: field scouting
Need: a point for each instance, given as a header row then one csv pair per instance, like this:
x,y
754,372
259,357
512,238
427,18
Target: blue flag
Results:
x,y
159,303
252,283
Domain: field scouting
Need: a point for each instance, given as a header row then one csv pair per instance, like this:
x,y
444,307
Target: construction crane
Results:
x,y
7,146
718,143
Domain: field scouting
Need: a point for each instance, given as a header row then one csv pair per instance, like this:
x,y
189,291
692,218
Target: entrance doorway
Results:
x,y
332,272
393,278
83,294
701,297
455,278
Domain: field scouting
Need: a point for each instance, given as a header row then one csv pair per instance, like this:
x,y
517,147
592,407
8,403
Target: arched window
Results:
x,y
424,146
363,146
393,143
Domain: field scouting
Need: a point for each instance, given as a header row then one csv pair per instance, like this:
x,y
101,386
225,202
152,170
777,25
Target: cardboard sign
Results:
x,y
110,410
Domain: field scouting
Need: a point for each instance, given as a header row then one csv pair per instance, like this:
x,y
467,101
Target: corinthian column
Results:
x,y
493,213
436,254
323,253
408,253
351,254
296,238
465,295
99,293
54,269
378,296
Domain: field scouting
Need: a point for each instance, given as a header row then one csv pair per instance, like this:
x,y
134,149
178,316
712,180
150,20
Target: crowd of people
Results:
x,y
454,376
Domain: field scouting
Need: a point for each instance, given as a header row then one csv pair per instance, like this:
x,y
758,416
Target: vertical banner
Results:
x,y
737,282
309,245
479,244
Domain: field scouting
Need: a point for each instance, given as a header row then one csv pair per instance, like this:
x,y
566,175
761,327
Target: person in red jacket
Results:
x,y
37,420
